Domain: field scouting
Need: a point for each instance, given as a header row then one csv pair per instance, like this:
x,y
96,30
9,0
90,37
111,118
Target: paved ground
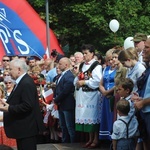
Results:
x,y
76,146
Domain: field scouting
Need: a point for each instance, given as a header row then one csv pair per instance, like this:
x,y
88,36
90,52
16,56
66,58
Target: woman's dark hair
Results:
x,y
89,47
100,57
126,83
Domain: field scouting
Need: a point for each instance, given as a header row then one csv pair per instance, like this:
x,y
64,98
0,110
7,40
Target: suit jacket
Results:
x,y
23,118
64,92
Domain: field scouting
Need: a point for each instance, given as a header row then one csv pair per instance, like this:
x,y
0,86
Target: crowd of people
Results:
x,y
94,98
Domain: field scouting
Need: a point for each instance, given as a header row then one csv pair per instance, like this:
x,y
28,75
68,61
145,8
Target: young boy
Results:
x,y
125,129
125,88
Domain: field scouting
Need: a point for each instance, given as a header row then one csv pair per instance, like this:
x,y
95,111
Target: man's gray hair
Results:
x,y
78,54
20,63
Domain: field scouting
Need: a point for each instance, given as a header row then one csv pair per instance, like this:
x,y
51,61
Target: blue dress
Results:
x,y
106,125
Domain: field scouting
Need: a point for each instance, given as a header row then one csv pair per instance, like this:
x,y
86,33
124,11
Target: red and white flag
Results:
x,y
48,95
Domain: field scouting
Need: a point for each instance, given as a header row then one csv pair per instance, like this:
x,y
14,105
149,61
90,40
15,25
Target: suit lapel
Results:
x,y
61,78
15,90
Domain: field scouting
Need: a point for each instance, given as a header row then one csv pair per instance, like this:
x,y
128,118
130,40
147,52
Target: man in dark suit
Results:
x,y
64,98
22,117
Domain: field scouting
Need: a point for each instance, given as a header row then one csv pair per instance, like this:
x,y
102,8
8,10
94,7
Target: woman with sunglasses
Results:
x,y
75,69
6,73
9,84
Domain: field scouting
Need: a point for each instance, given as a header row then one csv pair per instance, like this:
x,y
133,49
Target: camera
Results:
x,y
54,53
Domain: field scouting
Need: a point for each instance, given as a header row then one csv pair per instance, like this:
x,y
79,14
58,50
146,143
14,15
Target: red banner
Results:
x,y
22,32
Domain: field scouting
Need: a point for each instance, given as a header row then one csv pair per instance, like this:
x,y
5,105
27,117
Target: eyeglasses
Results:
x,y
7,82
6,60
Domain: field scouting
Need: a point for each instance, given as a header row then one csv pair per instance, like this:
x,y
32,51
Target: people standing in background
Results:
x,y
9,84
7,68
78,57
139,43
5,62
106,87
120,73
3,138
125,89
52,72
125,129
50,118
6,73
14,57
47,66
87,96
22,116
72,60
100,59
142,98
31,62
129,59
64,98
75,69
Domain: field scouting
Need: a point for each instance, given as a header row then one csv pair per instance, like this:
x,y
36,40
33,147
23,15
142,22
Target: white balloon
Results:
x,y
114,25
128,43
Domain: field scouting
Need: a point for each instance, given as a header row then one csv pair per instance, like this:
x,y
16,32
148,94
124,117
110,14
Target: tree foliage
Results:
x,y
87,21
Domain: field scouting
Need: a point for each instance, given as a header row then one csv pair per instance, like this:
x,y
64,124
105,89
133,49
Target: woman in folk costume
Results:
x,y
107,85
87,96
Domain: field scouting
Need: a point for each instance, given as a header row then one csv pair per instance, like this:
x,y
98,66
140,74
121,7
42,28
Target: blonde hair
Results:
x,y
108,54
36,69
2,90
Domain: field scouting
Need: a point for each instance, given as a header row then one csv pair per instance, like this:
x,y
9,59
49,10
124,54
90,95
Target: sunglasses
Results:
x,y
6,75
75,67
7,82
6,60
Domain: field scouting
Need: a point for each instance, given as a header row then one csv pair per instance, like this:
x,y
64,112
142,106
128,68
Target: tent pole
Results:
x,y
47,26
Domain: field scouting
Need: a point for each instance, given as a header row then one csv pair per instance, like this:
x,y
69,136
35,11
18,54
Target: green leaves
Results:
x,y
87,21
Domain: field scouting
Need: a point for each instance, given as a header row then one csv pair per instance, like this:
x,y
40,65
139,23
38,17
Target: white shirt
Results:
x,y
132,108
120,129
134,73
96,75
61,75
19,78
